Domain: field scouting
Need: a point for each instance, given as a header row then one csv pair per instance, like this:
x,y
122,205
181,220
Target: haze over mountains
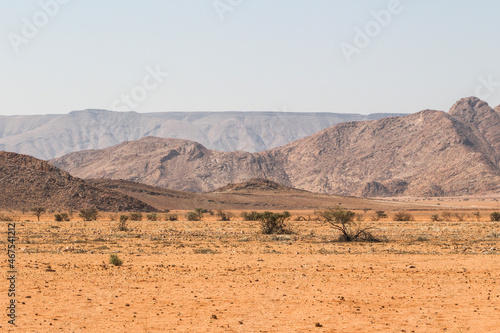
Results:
x,y
51,136
429,153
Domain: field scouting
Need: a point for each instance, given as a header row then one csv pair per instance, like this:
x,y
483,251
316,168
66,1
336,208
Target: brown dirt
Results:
x,y
213,276
246,195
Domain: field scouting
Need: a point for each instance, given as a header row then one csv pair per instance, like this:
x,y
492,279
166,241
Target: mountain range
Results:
x,y
27,182
51,136
429,153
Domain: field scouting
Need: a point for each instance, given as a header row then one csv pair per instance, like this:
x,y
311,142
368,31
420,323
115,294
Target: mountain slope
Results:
x,y
51,136
255,194
27,182
172,163
430,153
425,154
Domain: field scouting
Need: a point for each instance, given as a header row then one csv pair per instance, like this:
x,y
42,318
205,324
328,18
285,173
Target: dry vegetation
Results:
x,y
153,275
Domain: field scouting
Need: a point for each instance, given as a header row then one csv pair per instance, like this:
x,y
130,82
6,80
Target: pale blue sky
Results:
x,y
264,55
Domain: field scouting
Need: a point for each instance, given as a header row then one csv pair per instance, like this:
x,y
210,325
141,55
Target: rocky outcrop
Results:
x,y
27,182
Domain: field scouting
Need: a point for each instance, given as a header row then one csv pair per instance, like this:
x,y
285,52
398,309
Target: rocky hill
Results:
x,y
257,185
429,153
51,136
255,194
27,182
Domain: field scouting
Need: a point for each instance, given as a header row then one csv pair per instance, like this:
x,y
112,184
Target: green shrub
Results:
x,y
122,225
224,216
38,211
343,220
379,214
89,214
62,217
114,260
135,216
193,216
171,217
252,216
495,216
152,217
274,223
201,211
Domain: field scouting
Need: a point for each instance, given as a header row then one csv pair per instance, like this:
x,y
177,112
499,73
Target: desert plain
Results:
x,y
226,276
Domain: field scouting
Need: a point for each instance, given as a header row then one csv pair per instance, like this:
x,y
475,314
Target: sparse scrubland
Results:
x,y
334,269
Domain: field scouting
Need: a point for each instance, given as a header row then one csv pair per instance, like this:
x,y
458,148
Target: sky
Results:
x,y
364,56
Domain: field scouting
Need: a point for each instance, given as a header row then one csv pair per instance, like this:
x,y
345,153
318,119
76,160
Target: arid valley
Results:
x,y
250,166
226,276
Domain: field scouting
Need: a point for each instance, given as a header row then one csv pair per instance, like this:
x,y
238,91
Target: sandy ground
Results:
x,y
213,276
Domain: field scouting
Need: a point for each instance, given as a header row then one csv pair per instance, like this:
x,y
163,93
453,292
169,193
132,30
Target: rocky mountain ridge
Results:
x,y
52,136
27,182
429,153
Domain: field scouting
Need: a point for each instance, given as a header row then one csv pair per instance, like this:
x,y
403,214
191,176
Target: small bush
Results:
x,y
122,225
114,260
135,216
495,216
204,251
447,216
201,211
403,216
435,218
61,217
461,216
38,211
477,215
379,214
274,223
152,217
252,216
343,220
89,214
193,216
360,217
224,216
171,217
6,218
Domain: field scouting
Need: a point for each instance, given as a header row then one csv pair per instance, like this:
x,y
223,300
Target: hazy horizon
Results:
x,y
320,56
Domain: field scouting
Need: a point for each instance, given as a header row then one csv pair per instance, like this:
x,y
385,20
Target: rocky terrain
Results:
x,y
27,182
429,153
51,136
